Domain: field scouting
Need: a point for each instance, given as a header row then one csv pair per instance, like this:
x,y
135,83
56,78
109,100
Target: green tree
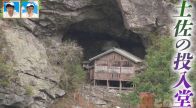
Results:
x,y
157,77
130,99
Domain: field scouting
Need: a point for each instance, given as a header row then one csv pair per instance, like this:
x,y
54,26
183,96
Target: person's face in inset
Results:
x,y
30,9
10,10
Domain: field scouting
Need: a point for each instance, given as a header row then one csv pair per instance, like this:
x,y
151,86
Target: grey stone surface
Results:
x,y
27,41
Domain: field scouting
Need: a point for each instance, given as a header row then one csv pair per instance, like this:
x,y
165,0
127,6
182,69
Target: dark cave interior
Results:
x,y
98,35
96,43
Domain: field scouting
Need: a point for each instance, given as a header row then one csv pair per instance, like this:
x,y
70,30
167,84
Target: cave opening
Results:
x,y
107,30
94,43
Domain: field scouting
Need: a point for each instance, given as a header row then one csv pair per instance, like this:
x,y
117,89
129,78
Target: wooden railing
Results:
x,y
112,69
112,76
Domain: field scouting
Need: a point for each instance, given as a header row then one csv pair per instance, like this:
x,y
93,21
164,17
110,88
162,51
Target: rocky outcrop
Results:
x,y
144,16
118,23
37,83
114,17
97,16
121,20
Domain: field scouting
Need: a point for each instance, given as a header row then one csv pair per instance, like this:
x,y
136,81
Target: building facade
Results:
x,y
114,69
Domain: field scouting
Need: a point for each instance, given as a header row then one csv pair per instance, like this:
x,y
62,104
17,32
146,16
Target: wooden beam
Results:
x,y
120,86
108,85
94,82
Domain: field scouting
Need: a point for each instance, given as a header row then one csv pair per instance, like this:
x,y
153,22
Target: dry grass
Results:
x,y
65,102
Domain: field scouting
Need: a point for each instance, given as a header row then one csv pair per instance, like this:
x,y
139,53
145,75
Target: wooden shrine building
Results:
x,y
113,69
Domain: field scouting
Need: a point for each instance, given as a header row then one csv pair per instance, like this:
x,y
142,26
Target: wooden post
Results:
x,y
120,85
94,82
108,85
120,77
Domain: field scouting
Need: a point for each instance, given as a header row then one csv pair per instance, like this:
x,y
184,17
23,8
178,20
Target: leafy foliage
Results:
x,y
74,77
130,99
157,77
68,62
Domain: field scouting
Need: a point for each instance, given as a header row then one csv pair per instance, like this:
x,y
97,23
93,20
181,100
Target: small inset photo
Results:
x,y
30,9
11,9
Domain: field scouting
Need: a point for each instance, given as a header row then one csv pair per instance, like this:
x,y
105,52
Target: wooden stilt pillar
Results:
x,y
108,85
132,86
120,86
94,82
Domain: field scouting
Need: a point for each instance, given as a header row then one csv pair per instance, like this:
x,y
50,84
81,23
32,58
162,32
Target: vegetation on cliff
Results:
x,y
158,76
6,70
66,59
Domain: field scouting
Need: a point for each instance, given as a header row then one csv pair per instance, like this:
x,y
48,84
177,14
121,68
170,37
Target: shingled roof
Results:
x,y
119,51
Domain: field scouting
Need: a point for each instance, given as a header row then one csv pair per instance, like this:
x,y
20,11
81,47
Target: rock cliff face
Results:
x,y
30,62
144,16
106,23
